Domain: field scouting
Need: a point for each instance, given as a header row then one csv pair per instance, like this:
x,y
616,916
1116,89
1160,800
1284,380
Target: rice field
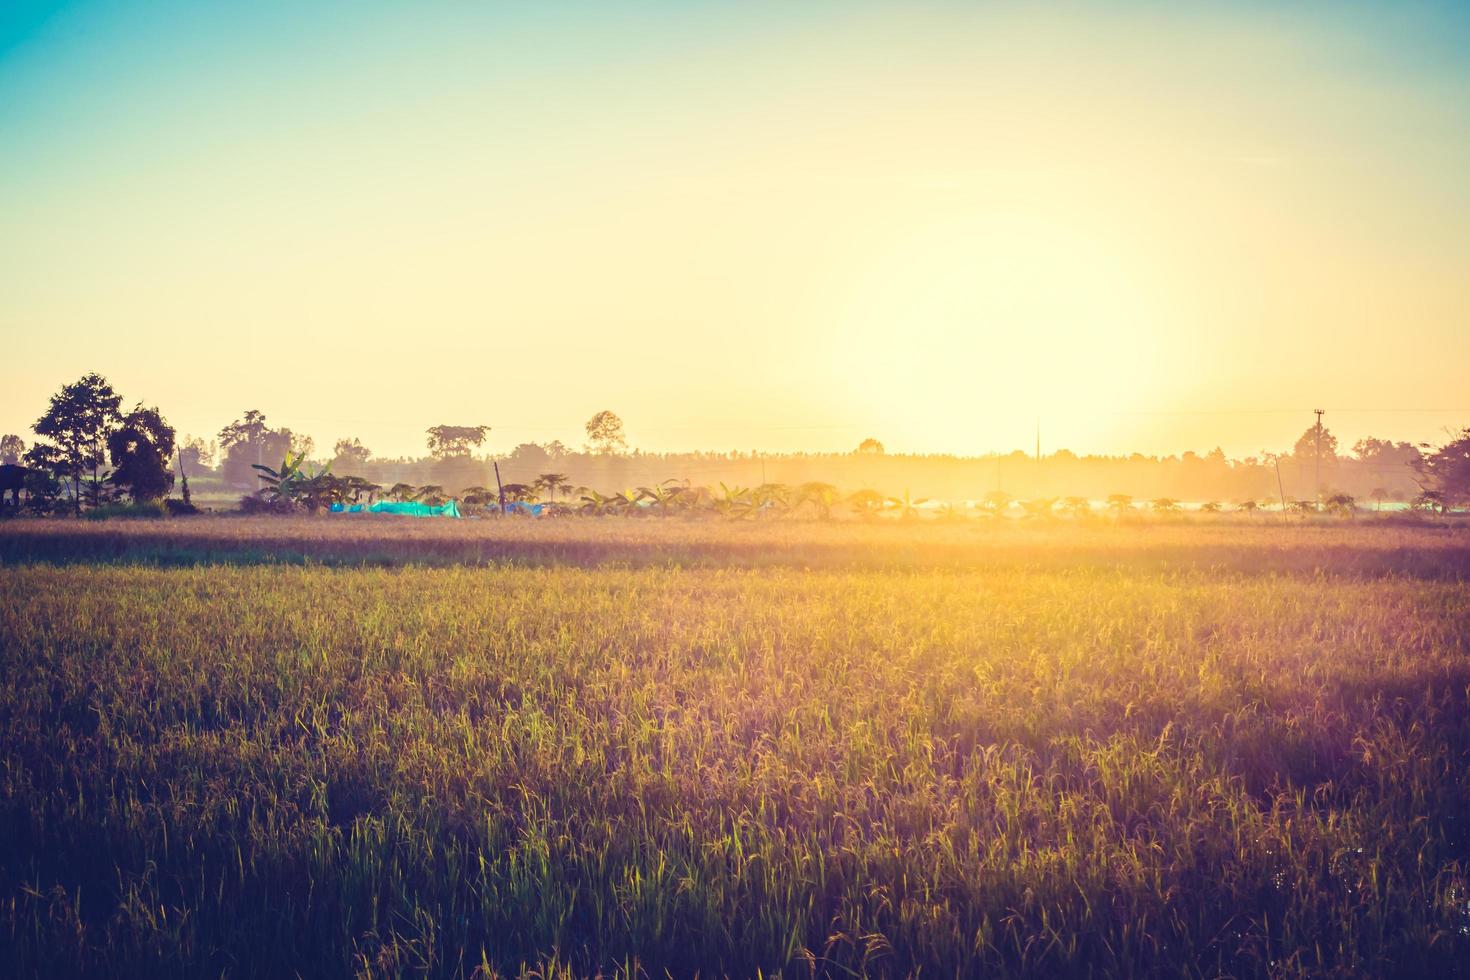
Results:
x,y
267,747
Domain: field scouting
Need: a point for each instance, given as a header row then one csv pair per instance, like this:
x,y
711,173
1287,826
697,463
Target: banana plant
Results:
x,y
906,506
733,502
866,502
280,484
595,504
662,495
771,498
820,495
320,489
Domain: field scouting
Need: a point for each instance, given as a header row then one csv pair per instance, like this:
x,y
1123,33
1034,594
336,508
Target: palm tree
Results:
x,y
358,487
518,493
551,483
401,492
431,494
478,496
1120,503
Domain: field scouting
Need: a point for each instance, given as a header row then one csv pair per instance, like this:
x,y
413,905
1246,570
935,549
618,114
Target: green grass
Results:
x,y
1162,751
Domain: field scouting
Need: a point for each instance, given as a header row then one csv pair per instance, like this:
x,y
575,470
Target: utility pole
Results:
x,y
1317,456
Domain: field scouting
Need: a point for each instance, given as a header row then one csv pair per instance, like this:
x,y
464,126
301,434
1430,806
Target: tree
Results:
x,y
551,483
350,452
80,418
1385,452
12,447
870,447
478,496
1445,472
1305,449
249,441
518,493
141,450
250,429
1318,446
455,441
195,454
605,431
1120,503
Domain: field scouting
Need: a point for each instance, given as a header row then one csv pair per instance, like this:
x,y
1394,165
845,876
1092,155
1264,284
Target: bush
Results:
x,y
255,504
107,511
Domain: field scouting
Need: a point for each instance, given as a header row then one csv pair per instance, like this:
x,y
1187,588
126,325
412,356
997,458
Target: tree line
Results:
x,y
89,453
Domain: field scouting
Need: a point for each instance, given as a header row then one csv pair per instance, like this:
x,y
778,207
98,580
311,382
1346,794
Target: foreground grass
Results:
x,y
998,769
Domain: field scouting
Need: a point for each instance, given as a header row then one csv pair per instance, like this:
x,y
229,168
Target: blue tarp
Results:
x,y
410,508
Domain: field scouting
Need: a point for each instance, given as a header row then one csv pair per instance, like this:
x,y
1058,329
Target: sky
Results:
x,y
1147,227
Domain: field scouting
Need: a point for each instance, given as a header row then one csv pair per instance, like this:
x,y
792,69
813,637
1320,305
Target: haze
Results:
x,y
1153,227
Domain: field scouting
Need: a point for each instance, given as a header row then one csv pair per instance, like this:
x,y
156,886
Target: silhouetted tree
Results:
x,y
1386,452
551,483
195,454
1446,471
1306,448
141,449
455,441
80,418
248,442
12,447
349,453
870,447
605,431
